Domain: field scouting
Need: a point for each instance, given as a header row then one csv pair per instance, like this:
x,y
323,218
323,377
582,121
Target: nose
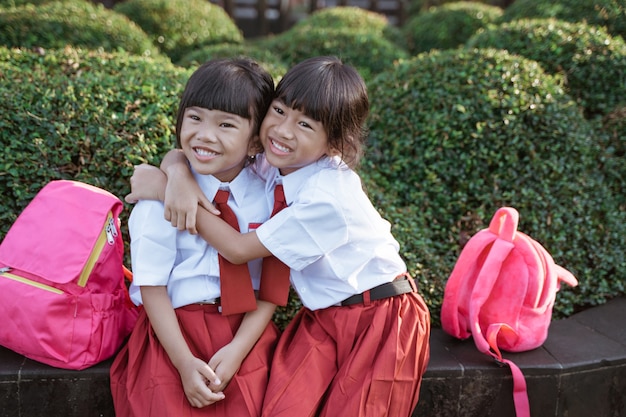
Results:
x,y
284,129
206,134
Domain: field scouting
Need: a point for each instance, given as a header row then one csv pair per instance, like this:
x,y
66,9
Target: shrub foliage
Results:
x,y
608,13
592,61
353,18
80,115
447,26
78,23
481,129
265,57
180,26
368,52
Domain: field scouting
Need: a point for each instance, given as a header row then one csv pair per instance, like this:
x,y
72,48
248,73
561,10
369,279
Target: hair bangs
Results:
x,y
224,92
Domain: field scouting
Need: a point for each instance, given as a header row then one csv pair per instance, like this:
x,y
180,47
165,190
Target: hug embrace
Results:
x,y
213,255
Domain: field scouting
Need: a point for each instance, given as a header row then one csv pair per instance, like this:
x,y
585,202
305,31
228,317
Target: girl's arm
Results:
x,y
236,247
149,182
194,372
228,359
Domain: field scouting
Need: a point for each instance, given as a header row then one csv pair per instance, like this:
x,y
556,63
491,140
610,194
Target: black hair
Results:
x,y
234,85
333,93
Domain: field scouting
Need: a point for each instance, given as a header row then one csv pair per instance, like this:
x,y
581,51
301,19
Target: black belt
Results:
x,y
401,285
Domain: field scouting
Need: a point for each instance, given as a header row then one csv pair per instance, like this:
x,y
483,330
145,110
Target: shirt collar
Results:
x,y
294,181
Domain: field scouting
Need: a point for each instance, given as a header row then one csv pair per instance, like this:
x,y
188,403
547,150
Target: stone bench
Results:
x,y
579,372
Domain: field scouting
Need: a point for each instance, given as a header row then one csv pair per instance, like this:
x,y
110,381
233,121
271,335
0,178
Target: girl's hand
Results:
x,y
146,183
226,363
182,193
196,376
182,197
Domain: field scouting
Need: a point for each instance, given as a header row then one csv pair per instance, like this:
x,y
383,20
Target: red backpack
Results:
x,y
501,292
63,297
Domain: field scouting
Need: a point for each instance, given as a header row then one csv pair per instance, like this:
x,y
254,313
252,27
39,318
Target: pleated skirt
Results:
x,y
356,361
144,383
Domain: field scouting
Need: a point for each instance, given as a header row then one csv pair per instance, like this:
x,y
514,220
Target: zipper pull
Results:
x,y
5,269
111,231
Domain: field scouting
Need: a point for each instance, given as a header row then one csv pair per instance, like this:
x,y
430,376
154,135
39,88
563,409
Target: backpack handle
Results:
x,y
504,223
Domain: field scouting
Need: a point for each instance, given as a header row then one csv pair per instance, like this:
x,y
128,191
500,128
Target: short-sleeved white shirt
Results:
x,y
185,263
331,236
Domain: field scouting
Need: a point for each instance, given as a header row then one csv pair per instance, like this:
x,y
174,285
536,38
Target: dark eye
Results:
x,y
279,110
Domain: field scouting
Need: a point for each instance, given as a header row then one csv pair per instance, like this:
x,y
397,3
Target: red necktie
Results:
x,y
275,274
237,294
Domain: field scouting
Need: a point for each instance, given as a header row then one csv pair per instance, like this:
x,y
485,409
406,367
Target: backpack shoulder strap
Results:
x,y
504,226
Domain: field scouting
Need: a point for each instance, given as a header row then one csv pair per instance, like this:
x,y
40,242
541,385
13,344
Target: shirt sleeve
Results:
x,y
308,229
152,244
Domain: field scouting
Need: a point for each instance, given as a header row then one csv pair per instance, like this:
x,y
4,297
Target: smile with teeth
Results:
x,y
204,152
280,147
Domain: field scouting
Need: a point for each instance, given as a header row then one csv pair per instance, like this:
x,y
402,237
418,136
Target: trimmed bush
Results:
x,y
180,26
368,52
77,23
608,13
481,129
355,18
266,58
418,6
612,128
593,62
17,3
447,26
81,115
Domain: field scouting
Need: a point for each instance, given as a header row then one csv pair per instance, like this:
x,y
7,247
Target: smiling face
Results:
x,y
291,139
215,142
219,115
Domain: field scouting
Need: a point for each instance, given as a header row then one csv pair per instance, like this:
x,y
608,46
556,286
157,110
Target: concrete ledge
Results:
x,y
579,372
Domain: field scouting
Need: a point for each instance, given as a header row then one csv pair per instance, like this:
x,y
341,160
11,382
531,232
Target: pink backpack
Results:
x,y
63,298
501,292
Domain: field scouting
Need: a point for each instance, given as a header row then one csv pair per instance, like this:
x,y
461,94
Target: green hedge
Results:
x,y
608,13
354,18
481,129
180,26
612,136
368,52
265,57
77,23
593,62
447,26
6,4
81,115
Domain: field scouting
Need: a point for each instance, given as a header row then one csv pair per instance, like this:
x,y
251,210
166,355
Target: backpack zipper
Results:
x,y
5,273
107,235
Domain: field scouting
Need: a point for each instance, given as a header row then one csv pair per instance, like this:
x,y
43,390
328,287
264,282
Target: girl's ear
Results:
x,y
332,151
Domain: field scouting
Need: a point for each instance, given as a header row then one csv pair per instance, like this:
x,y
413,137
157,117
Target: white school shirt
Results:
x,y
185,263
331,236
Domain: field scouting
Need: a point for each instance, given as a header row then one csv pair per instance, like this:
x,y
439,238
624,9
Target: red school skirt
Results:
x,y
144,383
357,361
